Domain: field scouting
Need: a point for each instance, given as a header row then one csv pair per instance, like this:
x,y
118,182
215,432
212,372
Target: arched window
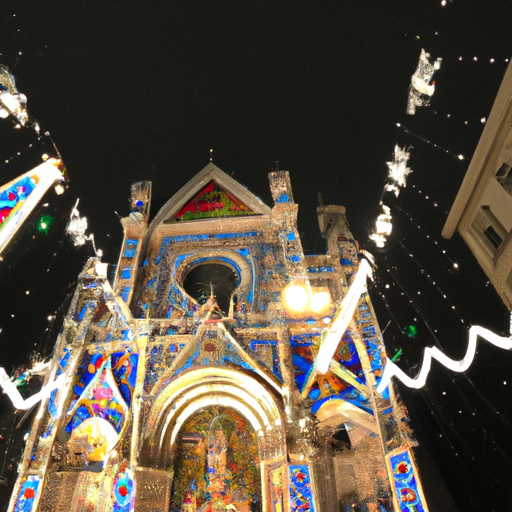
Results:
x,y
211,277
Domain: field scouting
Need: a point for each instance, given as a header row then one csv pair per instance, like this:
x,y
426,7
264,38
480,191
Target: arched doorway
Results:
x,y
217,464
189,413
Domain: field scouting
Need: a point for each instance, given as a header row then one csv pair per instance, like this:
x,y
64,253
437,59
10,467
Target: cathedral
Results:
x,y
200,374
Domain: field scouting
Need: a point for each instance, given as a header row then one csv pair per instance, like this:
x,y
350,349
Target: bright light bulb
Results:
x,y
320,301
296,297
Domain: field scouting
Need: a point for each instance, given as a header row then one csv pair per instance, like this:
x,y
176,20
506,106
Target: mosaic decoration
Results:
x,y
14,196
63,362
328,386
301,493
212,201
123,491
277,489
28,493
102,398
158,358
203,362
20,196
217,463
407,488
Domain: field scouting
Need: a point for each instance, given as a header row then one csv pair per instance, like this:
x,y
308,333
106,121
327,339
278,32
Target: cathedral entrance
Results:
x,y
216,464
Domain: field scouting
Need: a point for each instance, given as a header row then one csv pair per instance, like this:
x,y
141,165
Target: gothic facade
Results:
x,y
192,381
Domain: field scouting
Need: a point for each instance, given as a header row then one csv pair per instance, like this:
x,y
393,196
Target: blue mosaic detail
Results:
x,y
28,493
301,493
405,483
130,248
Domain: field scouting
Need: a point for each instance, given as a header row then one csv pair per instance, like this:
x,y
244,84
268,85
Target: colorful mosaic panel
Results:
x,y
406,484
301,493
277,489
104,389
123,491
212,201
158,359
328,386
124,368
14,196
28,493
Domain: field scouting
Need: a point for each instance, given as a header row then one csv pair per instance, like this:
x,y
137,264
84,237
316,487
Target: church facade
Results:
x,y
192,381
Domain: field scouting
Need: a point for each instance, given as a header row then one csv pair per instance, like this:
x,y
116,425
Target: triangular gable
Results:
x,y
213,201
215,346
212,185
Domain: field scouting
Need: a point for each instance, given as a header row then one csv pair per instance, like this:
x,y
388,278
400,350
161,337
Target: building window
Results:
x,y
212,278
489,229
493,237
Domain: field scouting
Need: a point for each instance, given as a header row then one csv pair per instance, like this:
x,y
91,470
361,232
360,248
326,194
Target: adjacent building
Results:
x,y
482,211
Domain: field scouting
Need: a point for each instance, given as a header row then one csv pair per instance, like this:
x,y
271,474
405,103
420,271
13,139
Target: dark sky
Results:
x,y
143,90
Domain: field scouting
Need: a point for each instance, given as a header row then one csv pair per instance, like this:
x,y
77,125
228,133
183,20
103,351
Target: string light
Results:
x,y
453,263
419,137
429,278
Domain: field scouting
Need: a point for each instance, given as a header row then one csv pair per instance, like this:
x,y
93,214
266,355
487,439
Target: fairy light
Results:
x,y
454,264
429,278
427,141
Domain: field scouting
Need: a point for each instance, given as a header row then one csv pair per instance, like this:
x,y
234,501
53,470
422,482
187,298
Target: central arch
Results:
x,y
204,388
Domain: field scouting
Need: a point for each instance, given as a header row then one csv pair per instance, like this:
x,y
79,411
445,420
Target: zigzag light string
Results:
x,y
15,396
392,370
345,313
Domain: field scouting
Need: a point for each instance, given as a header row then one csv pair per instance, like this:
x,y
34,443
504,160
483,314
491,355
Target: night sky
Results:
x,y
143,90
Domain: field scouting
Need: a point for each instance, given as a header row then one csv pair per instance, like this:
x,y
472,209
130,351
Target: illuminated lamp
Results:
x,y
320,301
296,297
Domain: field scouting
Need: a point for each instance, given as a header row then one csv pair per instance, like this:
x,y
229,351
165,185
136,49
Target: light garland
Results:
x,y
342,318
421,89
433,144
392,370
398,171
15,396
77,227
397,176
